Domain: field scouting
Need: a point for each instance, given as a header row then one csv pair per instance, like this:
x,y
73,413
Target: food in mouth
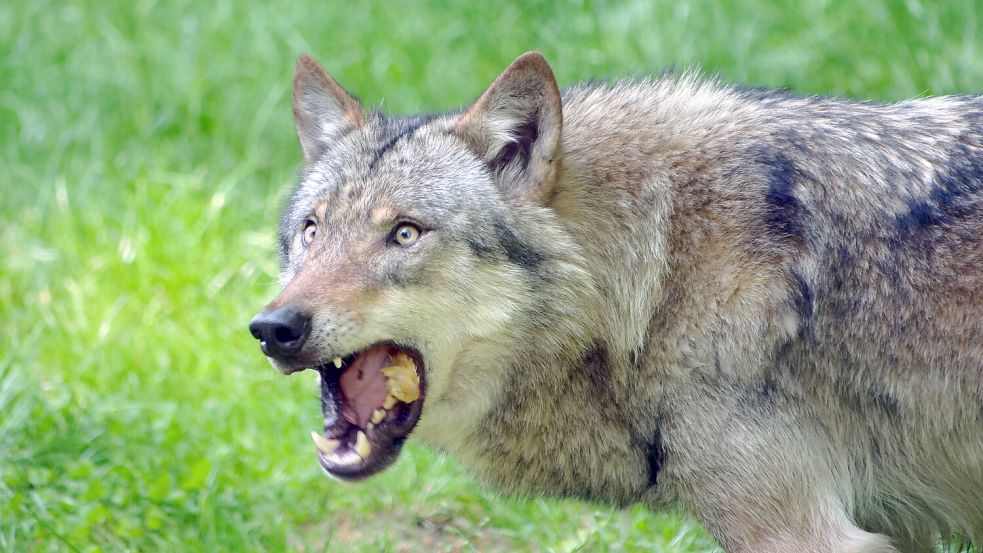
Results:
x,y
371,400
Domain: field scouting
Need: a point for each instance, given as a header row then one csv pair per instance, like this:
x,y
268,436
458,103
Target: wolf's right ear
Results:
x,y
322,109
515,127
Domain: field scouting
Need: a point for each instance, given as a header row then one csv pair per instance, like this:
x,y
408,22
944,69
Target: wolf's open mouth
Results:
x,y
371,400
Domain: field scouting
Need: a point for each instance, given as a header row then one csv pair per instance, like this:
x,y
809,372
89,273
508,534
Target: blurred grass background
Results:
x,y
144,150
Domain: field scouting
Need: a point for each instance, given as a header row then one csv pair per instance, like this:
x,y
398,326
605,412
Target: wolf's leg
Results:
x,y
861,542
742,526
761,472
854,541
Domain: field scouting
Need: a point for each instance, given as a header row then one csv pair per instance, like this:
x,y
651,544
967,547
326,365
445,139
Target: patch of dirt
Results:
x,y
404,532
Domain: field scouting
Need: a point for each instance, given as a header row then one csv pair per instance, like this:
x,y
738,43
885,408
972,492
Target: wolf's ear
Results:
x,y
515,127
322,109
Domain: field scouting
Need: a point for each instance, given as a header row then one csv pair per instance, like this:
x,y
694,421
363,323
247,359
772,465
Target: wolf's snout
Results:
x,y
281,332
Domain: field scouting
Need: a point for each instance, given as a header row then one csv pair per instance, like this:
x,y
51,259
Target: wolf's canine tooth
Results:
x,y
362,445
378,415
337,362
324,445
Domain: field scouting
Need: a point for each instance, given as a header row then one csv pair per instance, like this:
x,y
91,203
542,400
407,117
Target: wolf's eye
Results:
x,y
406,234
310,231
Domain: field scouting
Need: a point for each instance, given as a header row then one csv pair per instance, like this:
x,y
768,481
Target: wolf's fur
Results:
x,y
764,309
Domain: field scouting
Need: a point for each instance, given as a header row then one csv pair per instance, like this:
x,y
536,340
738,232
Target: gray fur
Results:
x,y
764,309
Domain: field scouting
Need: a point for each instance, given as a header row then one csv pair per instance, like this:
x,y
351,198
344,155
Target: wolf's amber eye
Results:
x,y
406,234
310,231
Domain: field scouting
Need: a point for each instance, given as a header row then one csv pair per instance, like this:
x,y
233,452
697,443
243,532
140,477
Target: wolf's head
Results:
x,y
410,252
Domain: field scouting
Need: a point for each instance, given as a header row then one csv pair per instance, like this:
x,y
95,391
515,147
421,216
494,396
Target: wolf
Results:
x,y
762,309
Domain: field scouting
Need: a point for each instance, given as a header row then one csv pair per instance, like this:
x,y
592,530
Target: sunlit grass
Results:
x,y
145,146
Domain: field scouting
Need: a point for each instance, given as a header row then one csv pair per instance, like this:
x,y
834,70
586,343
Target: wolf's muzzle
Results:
x,y
281,332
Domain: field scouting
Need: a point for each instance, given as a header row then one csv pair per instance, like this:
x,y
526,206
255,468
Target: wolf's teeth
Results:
x,y
378,415
323,444
337,362
402,380
389,402
362,445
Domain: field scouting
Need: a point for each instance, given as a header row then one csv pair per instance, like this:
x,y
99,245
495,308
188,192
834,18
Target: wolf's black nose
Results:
x,y
281,332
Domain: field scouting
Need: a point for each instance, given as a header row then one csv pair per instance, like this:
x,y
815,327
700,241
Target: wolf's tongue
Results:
x,y
363,385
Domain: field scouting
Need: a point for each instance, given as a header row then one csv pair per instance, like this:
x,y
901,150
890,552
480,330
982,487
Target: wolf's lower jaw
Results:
x,y
371,401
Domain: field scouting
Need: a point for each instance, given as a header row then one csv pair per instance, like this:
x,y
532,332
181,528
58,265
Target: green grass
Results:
x,y
144,150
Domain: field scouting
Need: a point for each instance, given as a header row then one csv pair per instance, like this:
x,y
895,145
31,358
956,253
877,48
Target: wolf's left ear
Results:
x,y
515,127
322,109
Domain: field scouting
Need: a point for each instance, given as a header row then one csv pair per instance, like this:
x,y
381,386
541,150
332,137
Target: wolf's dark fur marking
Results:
x,y
517,250
786,215
400,129
655,458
